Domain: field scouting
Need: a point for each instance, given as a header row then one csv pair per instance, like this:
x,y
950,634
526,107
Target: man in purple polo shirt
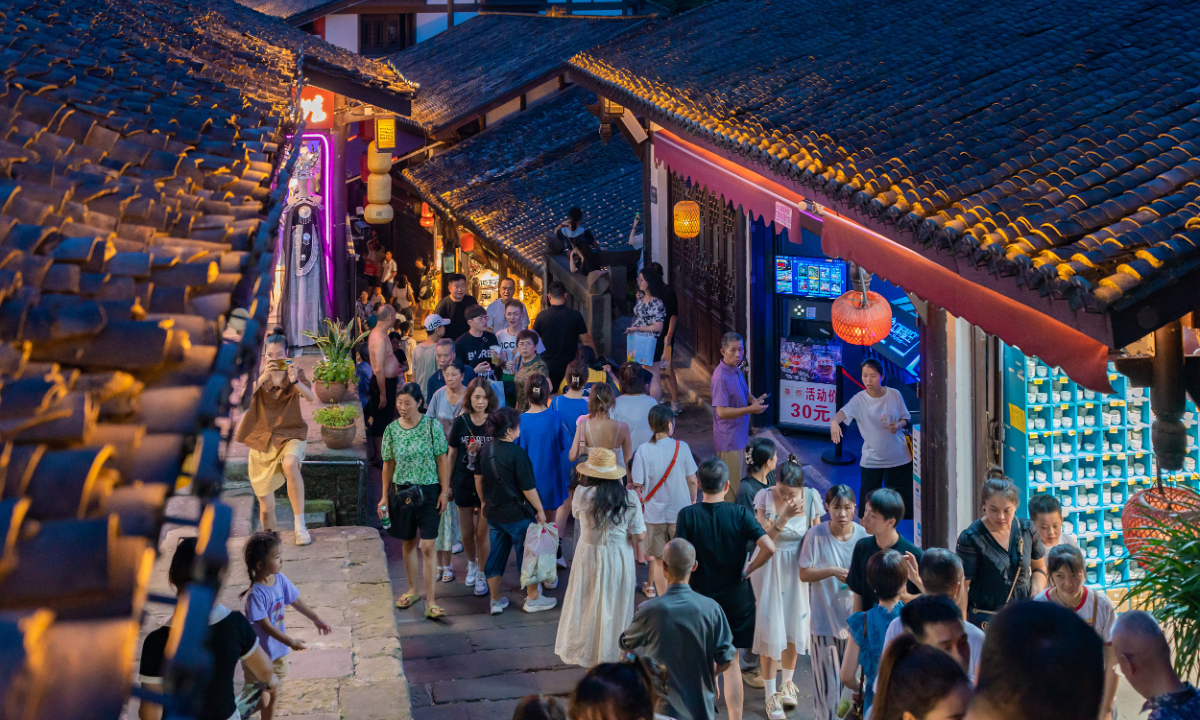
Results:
x,y
732,407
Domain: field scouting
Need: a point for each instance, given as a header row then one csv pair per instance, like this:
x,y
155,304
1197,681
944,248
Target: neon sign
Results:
x,y
316,107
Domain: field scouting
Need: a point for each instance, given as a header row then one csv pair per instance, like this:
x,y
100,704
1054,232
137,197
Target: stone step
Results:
x,y
317,513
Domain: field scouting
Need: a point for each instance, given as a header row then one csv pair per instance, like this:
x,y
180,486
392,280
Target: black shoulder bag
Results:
x,y
979,617
408,497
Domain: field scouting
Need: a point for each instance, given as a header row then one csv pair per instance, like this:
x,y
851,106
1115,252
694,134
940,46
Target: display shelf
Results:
x,y
1082,446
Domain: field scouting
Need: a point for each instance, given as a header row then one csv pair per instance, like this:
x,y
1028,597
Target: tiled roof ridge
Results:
x,y
471,65
575,16
513,182
971,191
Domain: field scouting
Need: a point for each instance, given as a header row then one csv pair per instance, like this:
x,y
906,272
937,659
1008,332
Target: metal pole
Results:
x,y
835,455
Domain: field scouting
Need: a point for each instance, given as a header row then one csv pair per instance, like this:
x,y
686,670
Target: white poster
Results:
x,y
807,404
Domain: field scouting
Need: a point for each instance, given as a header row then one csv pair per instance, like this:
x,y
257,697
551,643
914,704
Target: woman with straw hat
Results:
x,y
599,602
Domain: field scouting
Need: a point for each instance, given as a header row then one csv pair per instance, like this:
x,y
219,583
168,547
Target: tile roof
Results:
x,y
1058,150
139,192
285,9
514,182
493,56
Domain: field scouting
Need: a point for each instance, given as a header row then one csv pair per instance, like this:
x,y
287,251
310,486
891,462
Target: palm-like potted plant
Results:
x,y
1165,549
334,374
337,425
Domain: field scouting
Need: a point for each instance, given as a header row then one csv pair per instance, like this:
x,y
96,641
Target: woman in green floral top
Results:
x,y
415,453
526,363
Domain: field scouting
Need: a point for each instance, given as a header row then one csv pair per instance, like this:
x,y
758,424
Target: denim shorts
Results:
x,y
505,537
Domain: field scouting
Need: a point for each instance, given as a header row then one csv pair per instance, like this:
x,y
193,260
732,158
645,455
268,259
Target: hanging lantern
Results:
x,y
687,219
376,214
378,161
425,211
1147,511
379,189
862,317
426,221
467,242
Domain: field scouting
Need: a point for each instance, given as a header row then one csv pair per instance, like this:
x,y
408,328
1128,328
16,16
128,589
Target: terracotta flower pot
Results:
x,y
330,393
338,438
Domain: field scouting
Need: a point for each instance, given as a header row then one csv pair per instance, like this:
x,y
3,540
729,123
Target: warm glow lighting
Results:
x,y
425,211
467,242
426,221
687,219
859,321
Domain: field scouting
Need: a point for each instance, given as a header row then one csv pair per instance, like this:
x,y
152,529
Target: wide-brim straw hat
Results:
x,y
601,463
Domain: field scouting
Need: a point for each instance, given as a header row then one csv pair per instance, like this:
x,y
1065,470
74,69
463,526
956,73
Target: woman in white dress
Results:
x,y
599,602
781,627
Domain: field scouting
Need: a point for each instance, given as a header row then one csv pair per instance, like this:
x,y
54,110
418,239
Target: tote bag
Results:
x,y
640,349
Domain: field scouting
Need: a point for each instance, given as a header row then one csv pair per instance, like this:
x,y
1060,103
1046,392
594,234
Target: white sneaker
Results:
x,y
551,584
542,602
481,587
562,562
456,548
499,605
775,707
471,568
302,537
791,695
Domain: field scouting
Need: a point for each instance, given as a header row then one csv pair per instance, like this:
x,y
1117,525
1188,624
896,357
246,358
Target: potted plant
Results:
x,y
337,425
333,374
1162,531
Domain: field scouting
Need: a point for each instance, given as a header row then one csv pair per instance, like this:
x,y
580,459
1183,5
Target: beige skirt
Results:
x,y
266,468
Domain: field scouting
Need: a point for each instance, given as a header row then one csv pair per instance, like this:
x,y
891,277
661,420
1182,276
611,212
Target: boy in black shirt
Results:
x,y
884,509
474,347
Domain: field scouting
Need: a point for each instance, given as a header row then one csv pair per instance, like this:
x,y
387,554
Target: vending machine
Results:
x,y
809,352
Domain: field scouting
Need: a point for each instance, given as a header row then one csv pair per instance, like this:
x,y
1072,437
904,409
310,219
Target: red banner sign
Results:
x,y
316,108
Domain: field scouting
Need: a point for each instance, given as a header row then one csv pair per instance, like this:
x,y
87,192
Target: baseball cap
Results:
x,y
433,321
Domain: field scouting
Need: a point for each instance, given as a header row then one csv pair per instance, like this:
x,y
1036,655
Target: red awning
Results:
x,y
756,194
1083,359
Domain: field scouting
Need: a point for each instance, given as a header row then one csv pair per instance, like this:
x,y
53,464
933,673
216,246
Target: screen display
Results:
x,y
810,277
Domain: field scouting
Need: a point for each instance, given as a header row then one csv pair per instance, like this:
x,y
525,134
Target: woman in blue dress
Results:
x,y
545,439
886,574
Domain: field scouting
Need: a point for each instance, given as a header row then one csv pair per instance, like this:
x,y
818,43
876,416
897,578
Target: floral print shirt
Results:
x,y
1183,705
646,314
415,451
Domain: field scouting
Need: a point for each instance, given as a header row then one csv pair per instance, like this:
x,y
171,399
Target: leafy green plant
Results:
x,y
1167,584
330,372
336,416
337,343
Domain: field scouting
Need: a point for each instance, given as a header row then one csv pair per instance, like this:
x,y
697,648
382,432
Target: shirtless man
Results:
x,y
386,371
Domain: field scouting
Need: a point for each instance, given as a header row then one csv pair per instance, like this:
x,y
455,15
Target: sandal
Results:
x,y
407,600
448,574
435,612
649,590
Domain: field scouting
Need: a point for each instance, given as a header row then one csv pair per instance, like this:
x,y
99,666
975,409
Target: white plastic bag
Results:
x,y
541,549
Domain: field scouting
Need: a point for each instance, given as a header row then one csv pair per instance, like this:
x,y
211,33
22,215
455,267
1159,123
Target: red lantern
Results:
x,y
427,221
467,242
862,318
425,211
1149,509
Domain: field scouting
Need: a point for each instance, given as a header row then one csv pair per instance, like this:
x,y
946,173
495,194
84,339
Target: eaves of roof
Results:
x,y
1059,159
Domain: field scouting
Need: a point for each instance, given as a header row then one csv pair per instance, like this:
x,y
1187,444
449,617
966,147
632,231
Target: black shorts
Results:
x,y
381,417
464,493
899,478
409,520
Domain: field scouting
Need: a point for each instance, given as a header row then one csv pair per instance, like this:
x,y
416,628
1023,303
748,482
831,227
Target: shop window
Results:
x,y
385,34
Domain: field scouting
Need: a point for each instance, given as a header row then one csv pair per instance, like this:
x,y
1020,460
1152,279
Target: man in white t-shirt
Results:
x,y
881,416
935,618
496,310
661,504
513,316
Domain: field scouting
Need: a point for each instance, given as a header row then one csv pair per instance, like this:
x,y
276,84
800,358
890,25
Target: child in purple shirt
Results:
x,y
269,594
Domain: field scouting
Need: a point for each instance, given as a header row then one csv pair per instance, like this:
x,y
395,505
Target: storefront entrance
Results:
x,y
708,273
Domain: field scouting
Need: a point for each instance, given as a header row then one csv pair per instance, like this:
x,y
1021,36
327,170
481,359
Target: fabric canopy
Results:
x,y
1083,359
756,194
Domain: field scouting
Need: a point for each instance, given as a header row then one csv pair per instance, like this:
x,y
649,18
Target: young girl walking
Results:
x,y
269,593
276,433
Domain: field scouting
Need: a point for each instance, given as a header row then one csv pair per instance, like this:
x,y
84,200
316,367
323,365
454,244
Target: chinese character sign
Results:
x,y
317,108
806,404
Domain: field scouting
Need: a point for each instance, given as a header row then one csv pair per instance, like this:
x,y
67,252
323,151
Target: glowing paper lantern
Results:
x,y
1147,510
426,221
687,219
378,161
862,318
467,242
377,214
379,189
425,211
